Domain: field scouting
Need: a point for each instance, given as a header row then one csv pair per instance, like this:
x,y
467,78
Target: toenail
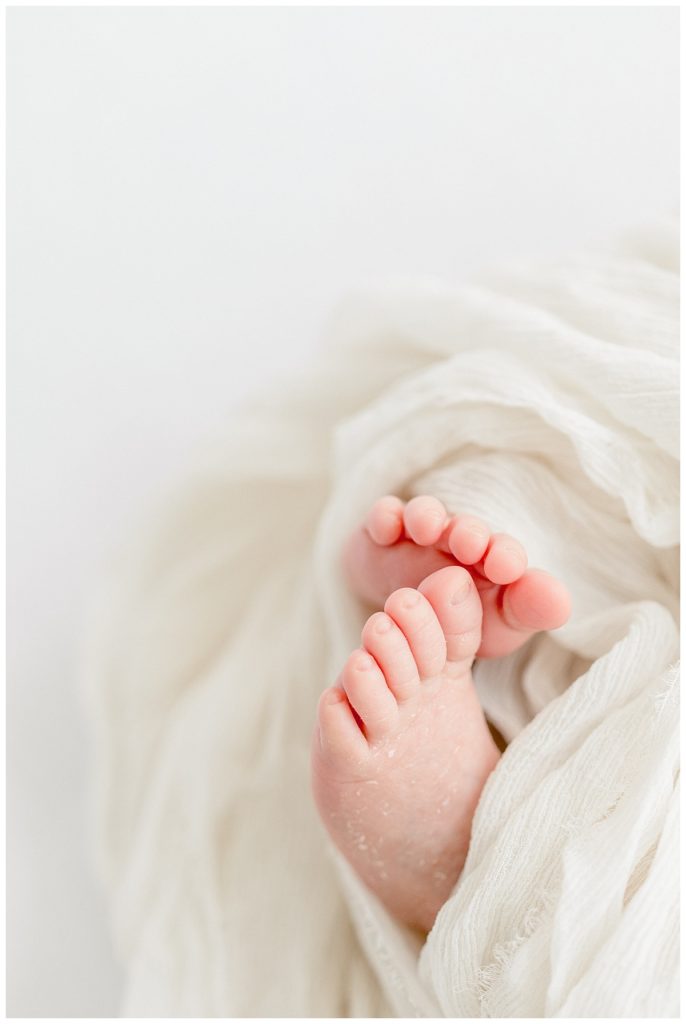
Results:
x,y
460,594
411,599
383,624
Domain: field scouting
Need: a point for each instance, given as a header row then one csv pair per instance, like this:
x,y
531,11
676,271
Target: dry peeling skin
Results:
x,y
401,749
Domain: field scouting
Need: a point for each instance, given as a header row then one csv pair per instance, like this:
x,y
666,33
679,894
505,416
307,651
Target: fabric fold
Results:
x,y
544,399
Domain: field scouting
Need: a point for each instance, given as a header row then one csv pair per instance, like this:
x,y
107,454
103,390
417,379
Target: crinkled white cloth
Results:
x,y
544,400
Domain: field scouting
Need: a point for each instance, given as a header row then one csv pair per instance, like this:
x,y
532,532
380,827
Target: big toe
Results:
x,y
536,602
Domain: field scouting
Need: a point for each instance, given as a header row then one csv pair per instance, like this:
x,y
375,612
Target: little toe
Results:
x,y
536,601
425,519
456,603
368,694
385,520
338,731
505,559
417,620
469,539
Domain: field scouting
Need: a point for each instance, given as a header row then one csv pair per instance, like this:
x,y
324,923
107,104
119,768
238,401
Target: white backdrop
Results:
x,y
190,191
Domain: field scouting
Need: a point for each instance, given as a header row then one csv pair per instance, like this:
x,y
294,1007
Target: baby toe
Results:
x,y
385,520
384,639
425,518
457,606
338,732
417,620
468,539
368,694
505,559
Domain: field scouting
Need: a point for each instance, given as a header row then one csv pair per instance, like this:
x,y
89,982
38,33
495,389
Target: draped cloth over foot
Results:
x,y
544,400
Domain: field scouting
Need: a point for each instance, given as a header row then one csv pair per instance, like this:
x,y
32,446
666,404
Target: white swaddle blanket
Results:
x,y
545,401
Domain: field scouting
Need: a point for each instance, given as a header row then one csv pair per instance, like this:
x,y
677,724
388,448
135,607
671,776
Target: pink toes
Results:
x,y
535,602
425,520
498,558
456,603
417,620
358,711
385,520
412,545
422,520
418,635
338,731
505,559
468,540
368,694
384,639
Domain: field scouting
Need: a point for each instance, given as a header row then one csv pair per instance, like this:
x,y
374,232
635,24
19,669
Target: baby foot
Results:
x,y
400,544
401,750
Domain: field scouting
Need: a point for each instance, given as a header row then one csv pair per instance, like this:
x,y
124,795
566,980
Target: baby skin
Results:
x,y
401,749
